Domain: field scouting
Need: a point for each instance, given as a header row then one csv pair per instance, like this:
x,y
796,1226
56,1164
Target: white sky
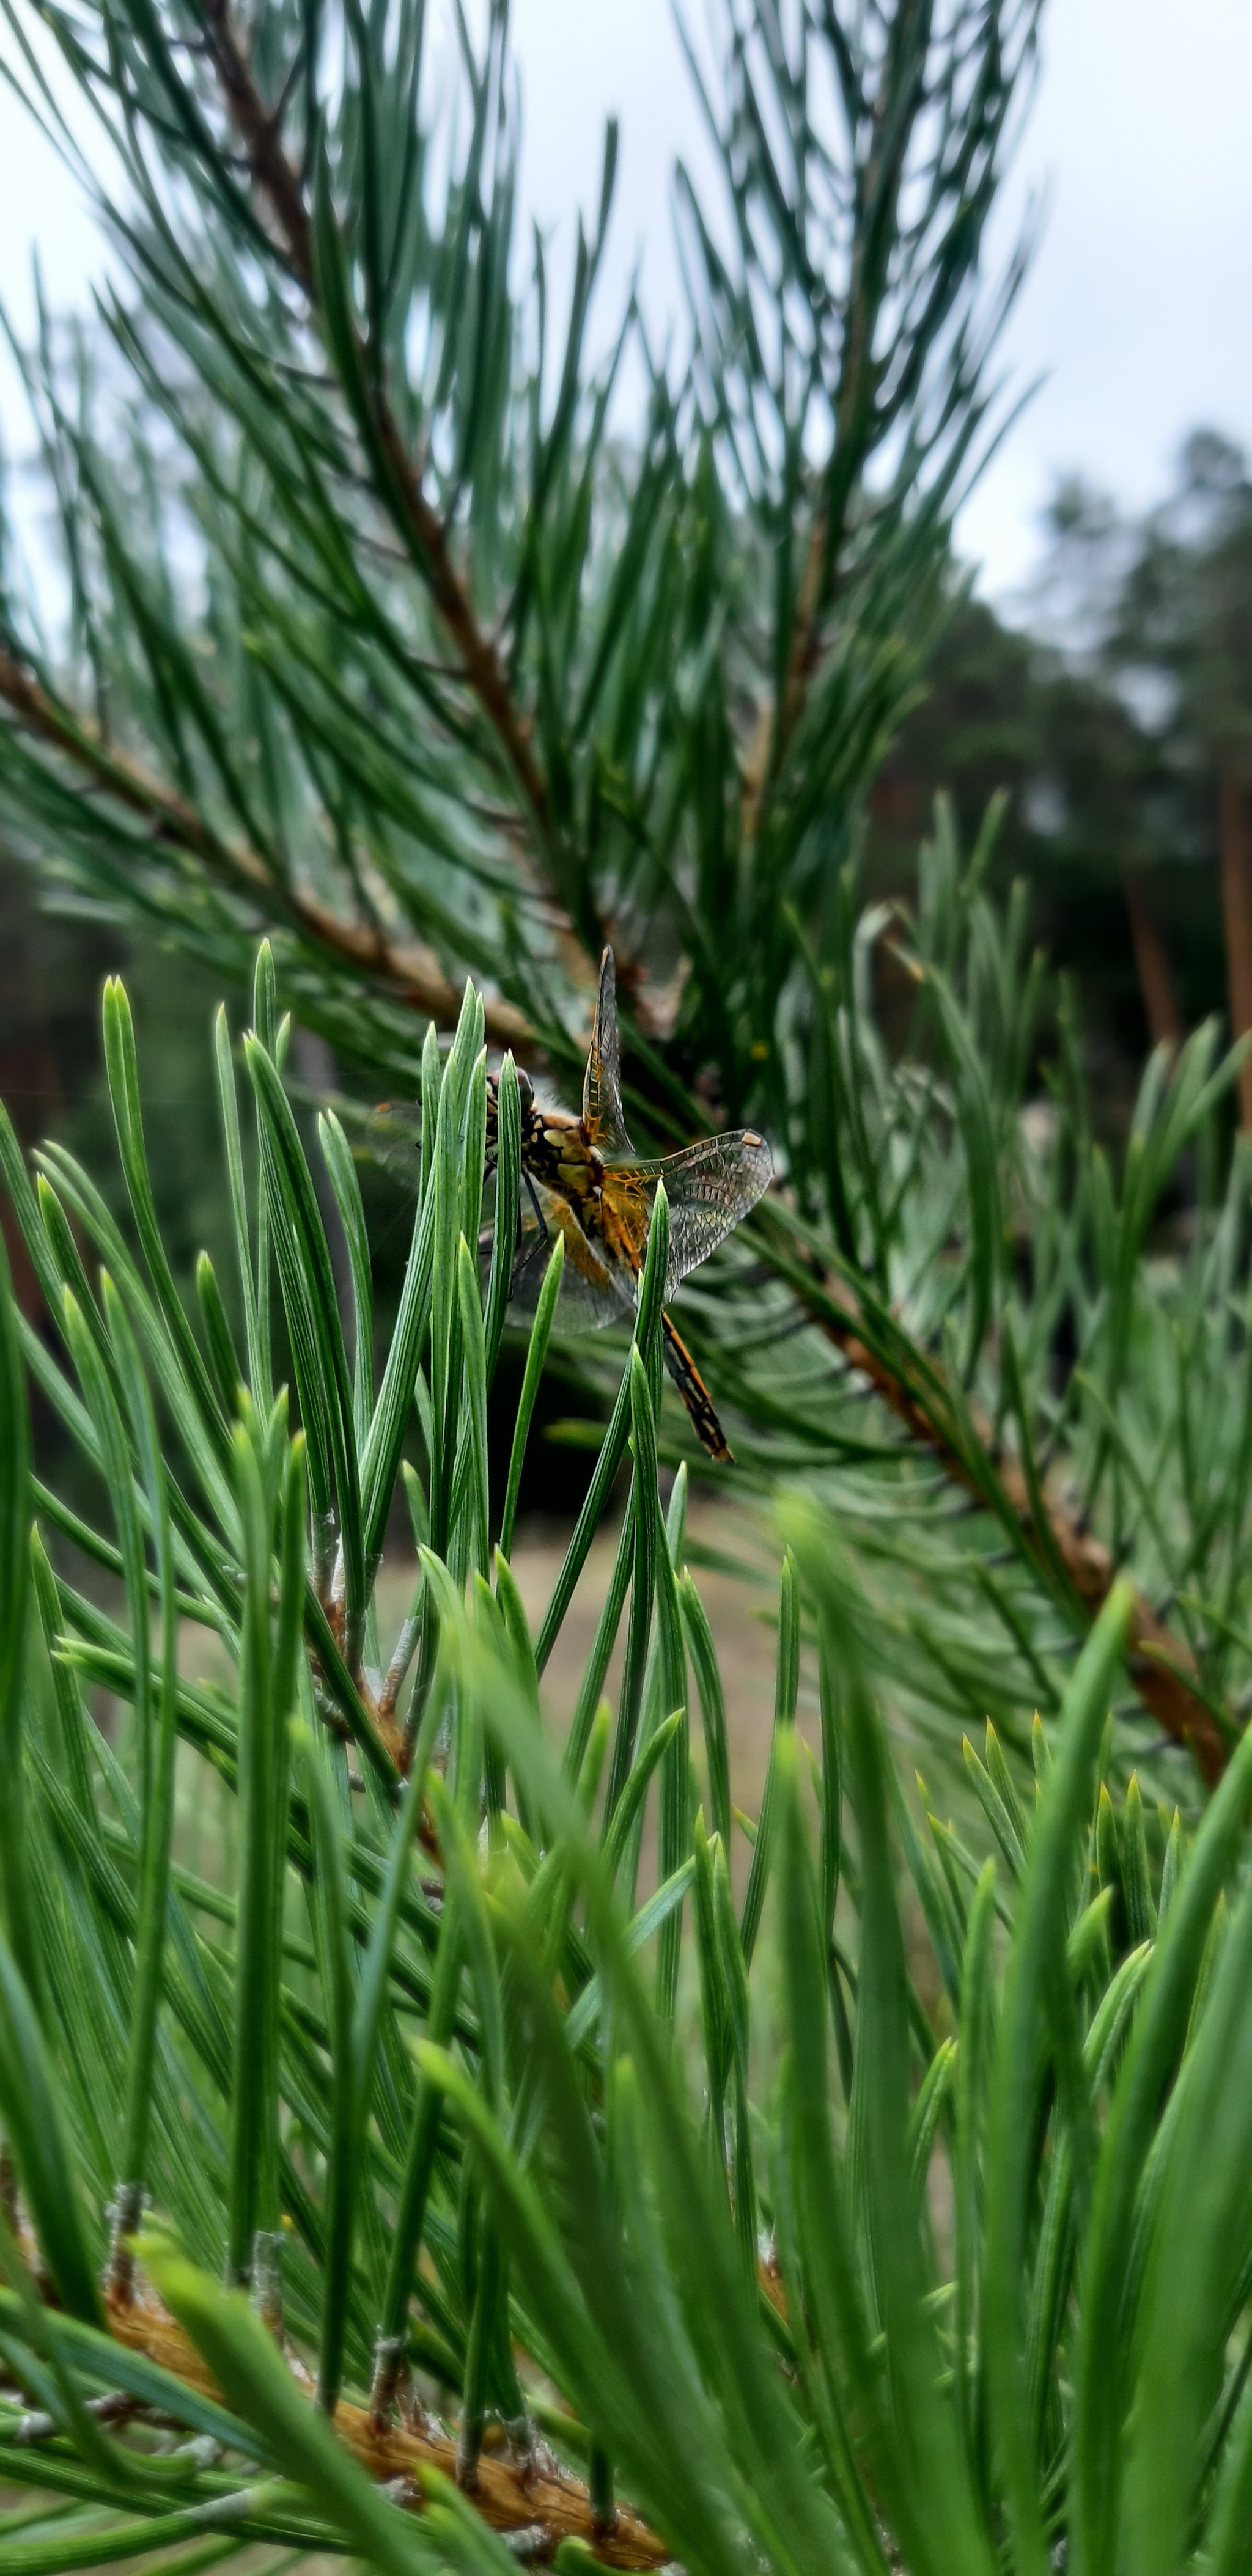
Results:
x,y
1138,310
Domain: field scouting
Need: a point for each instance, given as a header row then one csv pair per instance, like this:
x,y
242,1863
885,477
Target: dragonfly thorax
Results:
x,y
556,1150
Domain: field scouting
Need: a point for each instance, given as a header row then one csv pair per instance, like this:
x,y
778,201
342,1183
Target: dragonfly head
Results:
x,y
525,1089
526,1097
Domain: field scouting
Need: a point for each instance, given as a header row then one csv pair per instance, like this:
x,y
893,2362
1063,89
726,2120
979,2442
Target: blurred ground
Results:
x,y
740,1596
741,1614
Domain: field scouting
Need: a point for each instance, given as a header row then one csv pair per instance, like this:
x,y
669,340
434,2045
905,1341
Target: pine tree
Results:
x,y
387,638
382,637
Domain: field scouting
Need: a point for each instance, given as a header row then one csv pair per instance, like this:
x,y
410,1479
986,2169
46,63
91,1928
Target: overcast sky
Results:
x,y
1138,310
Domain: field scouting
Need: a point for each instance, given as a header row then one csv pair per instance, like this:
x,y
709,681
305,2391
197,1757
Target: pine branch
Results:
x,y
480,664
259,132
1160,1663
403,969
535,2495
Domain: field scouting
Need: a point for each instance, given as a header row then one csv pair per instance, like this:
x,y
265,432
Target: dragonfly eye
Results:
x,y
525,1091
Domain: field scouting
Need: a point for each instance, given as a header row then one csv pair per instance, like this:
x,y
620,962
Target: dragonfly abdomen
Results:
x,y
694,1393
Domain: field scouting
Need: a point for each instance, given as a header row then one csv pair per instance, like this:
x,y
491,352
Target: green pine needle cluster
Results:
x,y
818,2217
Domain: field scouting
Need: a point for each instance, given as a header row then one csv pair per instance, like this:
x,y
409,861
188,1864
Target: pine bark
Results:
x,y
1156,984
1235,819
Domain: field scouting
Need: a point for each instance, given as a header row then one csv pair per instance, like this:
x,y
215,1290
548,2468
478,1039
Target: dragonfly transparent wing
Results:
x,y
392,1136
710,1187
602,1081
591,1293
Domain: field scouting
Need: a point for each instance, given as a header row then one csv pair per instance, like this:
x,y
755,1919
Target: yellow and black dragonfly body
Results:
x,y
583,1180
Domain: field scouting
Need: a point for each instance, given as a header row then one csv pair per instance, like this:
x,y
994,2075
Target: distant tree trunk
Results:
x,y
1236,842
1156,984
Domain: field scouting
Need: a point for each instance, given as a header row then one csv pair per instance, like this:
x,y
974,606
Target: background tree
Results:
x,y
1184,620
1116,722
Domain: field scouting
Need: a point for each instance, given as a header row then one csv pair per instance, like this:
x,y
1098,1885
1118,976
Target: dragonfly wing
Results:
x,y
392,1136
602,1081
710,1187
591,1292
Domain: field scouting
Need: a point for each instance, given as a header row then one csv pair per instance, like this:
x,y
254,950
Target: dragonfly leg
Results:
x,y
486,1236
694,1392
540,1219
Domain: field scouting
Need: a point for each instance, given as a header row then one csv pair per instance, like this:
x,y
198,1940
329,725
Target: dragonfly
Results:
x,y
583,1180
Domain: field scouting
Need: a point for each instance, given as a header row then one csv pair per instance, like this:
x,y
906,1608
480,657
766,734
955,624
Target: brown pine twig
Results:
x,y
1161,1665
510,2494
779,715
259,132
404,969
480,665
